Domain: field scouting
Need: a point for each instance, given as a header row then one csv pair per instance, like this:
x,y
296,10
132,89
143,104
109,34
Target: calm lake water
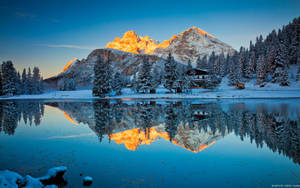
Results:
x,y
161,143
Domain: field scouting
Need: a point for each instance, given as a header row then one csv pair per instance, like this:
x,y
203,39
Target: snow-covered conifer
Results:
x,y
102,80
170,73
36,77
222,63
280,63
24,82
117,83
29,82
284,80
145,77
9,78
260,71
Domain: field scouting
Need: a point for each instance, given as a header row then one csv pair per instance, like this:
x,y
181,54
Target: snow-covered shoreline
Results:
x,y
205,94
252,91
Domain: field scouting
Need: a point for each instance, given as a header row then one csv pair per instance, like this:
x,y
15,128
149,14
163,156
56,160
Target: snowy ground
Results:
x,y
14,180
223,91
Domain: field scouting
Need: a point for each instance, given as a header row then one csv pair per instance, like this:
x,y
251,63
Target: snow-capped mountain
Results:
x,y
126,55
189,45
193,43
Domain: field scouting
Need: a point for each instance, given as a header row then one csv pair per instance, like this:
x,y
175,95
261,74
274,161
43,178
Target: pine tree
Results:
x,y
145,77
222,63
216,65
295,41
211,61
102,80
29,82
19,84
170,73
284,79
183,81
232,72
260,71
242,61
271,59
24,87
239,67
42,85
9,78
36,77
251,65
280,63
117,83
227,64
156,77
259,47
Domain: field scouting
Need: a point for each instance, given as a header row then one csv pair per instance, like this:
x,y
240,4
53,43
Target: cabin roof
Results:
x,y
196,71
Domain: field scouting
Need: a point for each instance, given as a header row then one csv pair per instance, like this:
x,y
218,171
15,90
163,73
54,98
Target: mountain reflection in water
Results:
x,y
190,124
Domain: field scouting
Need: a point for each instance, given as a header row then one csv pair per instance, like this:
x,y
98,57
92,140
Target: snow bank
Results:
x,y
223,91
50,180
10,179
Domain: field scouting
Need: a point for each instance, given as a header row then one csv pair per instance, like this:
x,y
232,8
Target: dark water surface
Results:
x,y
132,143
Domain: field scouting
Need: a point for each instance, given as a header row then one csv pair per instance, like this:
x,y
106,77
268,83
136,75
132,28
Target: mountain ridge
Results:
x,y
189,45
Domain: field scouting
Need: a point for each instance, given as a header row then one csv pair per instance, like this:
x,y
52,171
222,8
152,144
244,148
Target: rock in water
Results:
x,y
54,176
87,181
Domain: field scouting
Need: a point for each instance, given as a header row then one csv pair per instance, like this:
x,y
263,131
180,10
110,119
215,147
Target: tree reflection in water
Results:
x,y
190,124
12,112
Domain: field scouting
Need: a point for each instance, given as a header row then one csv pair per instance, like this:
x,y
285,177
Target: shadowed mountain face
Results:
x,y
82,71
193,126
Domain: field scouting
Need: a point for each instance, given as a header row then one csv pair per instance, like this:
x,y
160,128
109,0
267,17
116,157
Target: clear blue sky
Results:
x,y
49,33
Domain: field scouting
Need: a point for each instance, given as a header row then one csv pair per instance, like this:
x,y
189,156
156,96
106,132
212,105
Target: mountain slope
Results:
x,y
82,71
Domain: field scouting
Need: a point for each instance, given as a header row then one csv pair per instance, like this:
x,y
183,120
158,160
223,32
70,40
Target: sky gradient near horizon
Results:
x,y
50,33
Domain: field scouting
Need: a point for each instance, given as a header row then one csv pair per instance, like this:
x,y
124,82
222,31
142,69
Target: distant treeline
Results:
x,y
12,83
268,60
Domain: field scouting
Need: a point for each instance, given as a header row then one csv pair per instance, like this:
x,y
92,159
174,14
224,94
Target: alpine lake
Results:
x,y
155,143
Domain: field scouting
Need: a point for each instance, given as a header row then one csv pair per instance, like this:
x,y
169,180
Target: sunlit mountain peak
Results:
x,y
198,30
131,42
69,64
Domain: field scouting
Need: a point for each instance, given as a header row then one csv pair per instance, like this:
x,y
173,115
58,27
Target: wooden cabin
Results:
x,y
199,77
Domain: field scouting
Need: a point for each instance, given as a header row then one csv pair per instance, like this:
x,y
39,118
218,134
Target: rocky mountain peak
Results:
x,y
192,44
131,42
195,30
189,45
130,35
